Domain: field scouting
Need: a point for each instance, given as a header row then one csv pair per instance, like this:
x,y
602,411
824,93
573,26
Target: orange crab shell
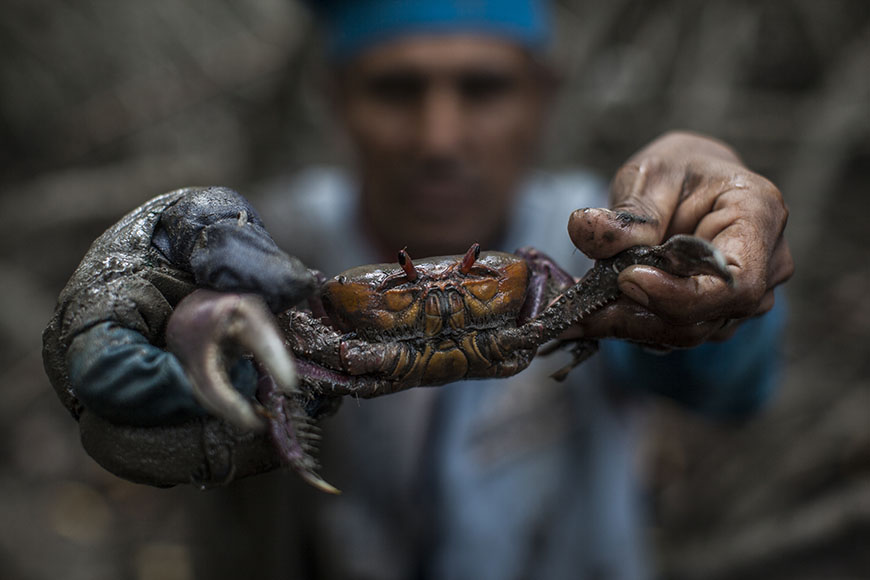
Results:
x,y
379,299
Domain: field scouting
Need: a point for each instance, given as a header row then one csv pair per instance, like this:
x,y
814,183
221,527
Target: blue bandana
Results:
x,y
355,25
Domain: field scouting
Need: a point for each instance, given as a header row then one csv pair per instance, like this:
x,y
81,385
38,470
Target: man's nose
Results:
x,y
441,125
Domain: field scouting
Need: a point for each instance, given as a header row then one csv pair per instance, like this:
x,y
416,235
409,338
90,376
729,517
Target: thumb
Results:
x,y
643,197
602,233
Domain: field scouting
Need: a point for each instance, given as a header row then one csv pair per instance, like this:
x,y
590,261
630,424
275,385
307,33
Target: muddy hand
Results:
x,y
209,331
687,184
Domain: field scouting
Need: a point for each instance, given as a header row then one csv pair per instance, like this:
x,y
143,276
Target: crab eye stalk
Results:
x,y
407,265
469,258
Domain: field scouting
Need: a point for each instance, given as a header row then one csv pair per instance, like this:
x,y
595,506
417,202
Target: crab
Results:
x,y
379,329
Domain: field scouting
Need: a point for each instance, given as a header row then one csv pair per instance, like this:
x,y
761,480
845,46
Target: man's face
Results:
x,y
445,128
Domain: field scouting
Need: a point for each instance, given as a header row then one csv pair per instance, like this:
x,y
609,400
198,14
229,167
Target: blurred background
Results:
x,y
105,104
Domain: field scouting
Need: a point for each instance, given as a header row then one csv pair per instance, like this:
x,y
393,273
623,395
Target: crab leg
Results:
x,y
293,432
210,329
547,280
680,255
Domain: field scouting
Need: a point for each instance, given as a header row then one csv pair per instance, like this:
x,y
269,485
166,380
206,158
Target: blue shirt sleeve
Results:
x,y
118,375
729,379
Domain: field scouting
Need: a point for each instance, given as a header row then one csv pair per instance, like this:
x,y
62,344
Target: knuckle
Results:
x,y
624,179
632,176
768,194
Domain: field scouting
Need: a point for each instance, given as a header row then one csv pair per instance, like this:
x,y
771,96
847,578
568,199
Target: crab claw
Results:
x,y
689,256
210,329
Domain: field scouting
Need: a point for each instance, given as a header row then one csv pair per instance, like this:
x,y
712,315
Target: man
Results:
x,y
444,103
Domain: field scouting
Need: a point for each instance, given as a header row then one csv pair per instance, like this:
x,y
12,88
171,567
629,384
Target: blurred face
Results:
x,y
445,128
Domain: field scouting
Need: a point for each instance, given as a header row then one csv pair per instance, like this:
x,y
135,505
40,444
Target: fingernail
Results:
x,y
634,292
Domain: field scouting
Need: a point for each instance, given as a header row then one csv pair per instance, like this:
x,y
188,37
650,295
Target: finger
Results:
x,y
601,233
643,195
650,187
758,260
781,265
698,298
746,222
195,333
683,300
712,186
781,269
726,331
627,320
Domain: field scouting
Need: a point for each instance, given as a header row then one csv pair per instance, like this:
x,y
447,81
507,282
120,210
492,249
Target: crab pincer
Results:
x,y
208,331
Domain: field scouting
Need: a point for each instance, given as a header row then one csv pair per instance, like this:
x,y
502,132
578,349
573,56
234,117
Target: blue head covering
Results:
x,y
355,25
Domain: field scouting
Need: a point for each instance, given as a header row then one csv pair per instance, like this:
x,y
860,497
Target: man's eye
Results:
x,y
486,86
396,88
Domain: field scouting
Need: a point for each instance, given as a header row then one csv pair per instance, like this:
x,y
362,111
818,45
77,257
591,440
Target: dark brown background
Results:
x,y
104,104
